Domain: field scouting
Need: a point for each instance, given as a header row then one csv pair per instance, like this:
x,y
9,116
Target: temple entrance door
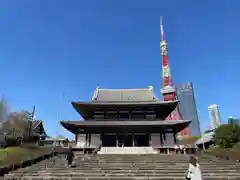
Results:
x,y
120,140
141,140
109,140
128,140
125,140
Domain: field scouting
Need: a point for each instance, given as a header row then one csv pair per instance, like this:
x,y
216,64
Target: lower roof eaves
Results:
x,y
73,125
125,122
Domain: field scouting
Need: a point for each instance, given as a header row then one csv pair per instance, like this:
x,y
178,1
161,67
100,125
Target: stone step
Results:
x,y
180,156
166,168
137,158
140,157
128,178
138,176
128,150
125,167
132,173
138,167
127,171
167,163
134,163
144,163
134,167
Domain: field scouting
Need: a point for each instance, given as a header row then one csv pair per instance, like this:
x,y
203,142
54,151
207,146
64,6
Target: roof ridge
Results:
x,y
135,89
128,102
127,94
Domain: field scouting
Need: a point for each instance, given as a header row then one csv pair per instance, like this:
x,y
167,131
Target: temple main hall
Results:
x,y
125,118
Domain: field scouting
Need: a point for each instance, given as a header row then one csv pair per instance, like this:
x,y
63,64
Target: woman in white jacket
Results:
x,y
194,172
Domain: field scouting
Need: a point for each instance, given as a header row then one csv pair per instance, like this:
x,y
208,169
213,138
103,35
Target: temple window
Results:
x,y
151,116
111,116
137,116
98,116
124,116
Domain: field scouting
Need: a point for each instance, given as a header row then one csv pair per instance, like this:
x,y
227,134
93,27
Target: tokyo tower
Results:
x,y
168,90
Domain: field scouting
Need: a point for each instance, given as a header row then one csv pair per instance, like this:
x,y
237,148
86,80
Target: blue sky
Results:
x,y
53,52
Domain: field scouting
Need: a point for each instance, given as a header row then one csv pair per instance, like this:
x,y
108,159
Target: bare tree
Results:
x,y
4,110
18,124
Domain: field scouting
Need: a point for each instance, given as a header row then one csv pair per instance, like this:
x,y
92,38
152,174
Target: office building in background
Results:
x,y
233,120
188,107
214,114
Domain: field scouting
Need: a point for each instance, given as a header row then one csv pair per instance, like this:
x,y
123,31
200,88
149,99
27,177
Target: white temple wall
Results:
x,y
169,141
95,140
81,140
155,139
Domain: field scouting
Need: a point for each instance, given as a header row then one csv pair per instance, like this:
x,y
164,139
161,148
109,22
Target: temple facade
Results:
x,y
125,118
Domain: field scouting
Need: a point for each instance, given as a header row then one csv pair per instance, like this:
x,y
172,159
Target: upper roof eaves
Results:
x,y
124,95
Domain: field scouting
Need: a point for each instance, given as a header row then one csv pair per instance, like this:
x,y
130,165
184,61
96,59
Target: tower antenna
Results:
x,y
167,78
161,28
168,90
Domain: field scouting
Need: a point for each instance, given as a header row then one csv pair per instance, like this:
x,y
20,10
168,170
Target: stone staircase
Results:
x,y
127,150
126,167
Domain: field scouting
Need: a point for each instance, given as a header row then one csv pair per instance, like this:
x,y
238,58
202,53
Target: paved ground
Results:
x,y
161,167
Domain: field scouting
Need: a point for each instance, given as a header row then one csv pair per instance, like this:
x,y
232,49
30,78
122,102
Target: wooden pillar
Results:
x,y
86,140
101,138
149,139
174,136
161,139
168,152
76,137
133,140
116,139
89,139
164,137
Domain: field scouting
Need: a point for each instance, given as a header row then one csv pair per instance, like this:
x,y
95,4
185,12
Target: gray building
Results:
x,y
188,108
232,120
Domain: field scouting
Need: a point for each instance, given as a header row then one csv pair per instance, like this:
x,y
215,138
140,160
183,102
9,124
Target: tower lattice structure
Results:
x,y
168,90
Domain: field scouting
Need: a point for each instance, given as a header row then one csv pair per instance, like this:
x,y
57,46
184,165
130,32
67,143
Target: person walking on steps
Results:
x,y
194,172
70,156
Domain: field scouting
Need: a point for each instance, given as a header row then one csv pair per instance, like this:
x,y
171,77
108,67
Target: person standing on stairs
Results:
x,y
194,172
70,156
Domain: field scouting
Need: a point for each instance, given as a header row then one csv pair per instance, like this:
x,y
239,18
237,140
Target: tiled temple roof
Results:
x,y
119,99
124,95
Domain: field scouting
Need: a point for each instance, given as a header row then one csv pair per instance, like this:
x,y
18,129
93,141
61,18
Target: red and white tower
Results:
x,y
169,91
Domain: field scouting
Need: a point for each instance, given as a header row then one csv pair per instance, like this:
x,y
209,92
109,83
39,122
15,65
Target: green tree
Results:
x,y
227,135
188,140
